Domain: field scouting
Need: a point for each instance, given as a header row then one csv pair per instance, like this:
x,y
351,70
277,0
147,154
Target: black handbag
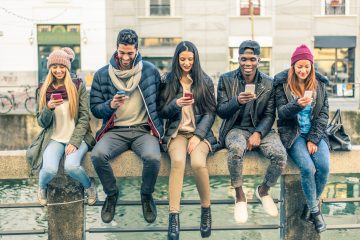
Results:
x,y
339,139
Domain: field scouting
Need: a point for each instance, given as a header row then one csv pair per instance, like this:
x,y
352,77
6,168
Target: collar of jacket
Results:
x,y
257,78
115,64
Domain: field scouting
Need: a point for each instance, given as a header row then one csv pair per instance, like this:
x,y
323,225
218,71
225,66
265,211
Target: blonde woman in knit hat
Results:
x,y
303,111
62,112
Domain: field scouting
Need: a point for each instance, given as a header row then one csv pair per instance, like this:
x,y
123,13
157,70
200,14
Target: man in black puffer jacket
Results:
x,y
123,94
247,120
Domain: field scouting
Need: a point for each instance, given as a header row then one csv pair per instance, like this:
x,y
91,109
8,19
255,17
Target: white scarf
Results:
x,y
134,74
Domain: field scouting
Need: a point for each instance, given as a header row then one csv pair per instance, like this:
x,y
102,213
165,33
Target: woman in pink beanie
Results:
x,y
303,112
62,111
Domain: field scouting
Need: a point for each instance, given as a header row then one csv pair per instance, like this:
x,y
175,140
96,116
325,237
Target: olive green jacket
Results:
x,y
45,119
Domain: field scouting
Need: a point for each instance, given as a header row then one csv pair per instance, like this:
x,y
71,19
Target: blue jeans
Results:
x,y
314,169
51,159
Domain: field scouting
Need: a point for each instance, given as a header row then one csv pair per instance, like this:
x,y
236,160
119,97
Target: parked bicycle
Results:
x,y
8,102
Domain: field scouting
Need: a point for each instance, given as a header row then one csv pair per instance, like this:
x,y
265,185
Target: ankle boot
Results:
x,y
205,225
319,222
306,214
174,226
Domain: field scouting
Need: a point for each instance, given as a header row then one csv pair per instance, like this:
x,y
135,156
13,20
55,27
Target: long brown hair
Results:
x,y
70,89
293,81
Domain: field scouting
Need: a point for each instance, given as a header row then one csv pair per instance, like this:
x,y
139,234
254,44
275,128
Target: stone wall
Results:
x,y
17,131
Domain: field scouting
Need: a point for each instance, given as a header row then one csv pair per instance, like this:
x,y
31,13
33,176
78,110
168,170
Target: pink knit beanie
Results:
x,y
302,52
63,56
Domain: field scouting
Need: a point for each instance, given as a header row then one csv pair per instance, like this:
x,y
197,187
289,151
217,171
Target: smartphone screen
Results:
x,y
188,95
250,88
121,92
308,94
56,96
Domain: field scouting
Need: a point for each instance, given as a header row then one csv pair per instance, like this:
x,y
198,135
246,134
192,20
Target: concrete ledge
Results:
x,y
13,164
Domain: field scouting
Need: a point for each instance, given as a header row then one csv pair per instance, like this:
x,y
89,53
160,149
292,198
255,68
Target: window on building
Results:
x,y
337,64
160,7
264,65
335,7
245,7
51,37
159,42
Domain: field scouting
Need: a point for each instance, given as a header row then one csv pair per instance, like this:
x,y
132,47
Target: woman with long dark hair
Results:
x,y
63,113
303,112
187,103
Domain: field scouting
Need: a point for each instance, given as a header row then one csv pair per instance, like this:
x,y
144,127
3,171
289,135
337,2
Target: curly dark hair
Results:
x,y
127,37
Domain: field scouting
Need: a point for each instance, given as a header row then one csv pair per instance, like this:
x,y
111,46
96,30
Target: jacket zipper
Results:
x,y
147,110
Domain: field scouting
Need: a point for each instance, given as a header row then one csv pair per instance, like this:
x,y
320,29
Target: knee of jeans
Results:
x,y
324,169
151,157
281,159
69,168
236,153
98,156
307,170
49,171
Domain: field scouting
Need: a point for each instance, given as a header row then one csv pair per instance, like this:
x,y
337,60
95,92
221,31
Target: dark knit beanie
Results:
x,y
302,52
63,56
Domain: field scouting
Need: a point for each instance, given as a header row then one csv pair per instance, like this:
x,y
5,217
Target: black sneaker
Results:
x,y
108,209
148,208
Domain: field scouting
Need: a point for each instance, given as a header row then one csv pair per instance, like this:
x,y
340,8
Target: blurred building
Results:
x,y
30,30
330,27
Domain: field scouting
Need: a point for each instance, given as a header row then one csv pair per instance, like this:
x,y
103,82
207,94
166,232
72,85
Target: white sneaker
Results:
x,y
267,203
91,193
240,212
42,196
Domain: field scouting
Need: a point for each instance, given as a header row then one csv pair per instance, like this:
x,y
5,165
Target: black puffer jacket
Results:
x,y
228,108
288,125
103,90
172,114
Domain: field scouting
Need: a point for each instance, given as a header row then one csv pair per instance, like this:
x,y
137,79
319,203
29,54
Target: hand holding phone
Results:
x,y
308,94
56,96
121,92
188,95
55,100
250,88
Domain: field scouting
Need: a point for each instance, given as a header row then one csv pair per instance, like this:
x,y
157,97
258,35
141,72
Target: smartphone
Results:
x,y
308,94
250,88
121,92
188,95
56,96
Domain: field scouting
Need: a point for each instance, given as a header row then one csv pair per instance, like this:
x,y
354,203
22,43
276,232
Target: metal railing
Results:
x,y
187,228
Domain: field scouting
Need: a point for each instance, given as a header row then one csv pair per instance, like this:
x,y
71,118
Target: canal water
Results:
x,y
23,191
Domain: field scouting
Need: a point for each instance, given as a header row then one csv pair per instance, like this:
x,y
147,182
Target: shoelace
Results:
x,y
205,218
107,205
173,224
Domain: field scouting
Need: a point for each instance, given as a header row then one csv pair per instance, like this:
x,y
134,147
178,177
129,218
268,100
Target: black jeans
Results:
x,y
118,140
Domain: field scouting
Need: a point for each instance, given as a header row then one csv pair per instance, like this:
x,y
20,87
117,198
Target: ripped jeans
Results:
x,y
270,146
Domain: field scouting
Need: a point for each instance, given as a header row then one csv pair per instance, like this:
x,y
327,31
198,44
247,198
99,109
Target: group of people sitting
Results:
x,y
146,112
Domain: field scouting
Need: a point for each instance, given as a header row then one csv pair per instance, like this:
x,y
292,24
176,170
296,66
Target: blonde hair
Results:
x,y
293,83
70,90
